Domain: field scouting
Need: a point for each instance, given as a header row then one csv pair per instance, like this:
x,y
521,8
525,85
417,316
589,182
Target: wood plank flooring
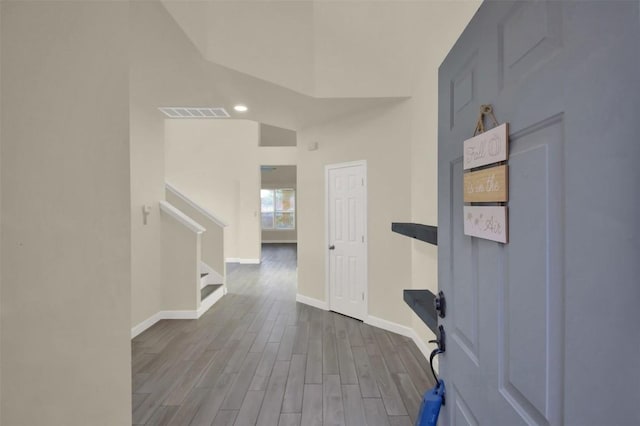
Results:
x,y
259,358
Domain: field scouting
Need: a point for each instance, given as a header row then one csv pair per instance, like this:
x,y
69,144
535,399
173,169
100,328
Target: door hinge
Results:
x,y
363,296
362,181
363,238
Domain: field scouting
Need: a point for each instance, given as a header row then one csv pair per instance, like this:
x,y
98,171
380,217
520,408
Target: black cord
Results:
x,y
431,357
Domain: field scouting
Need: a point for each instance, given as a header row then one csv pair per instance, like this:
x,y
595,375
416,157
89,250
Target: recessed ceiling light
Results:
x,y
241,108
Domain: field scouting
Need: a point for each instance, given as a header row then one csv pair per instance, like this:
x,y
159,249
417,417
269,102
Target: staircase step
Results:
x,y
208,290
204,274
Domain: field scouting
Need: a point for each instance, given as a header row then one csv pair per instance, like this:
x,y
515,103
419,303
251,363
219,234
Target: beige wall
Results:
x,y
289,236
217,164
165,68
66,351
212,238
342,49
181,249
276,136
271,40
382,137
400,144
453,17
192,16
368,48
147,175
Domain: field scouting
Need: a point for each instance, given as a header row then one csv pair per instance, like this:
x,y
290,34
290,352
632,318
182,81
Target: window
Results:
x,y
278,208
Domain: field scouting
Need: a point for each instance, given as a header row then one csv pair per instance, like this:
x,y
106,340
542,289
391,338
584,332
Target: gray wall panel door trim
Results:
x,y
544,330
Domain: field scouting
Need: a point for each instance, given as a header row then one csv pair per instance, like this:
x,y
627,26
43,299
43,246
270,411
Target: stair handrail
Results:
x,y
209,215
181,217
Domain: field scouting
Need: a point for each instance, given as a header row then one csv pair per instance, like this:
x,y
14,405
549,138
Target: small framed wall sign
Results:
x,y
486,180
487,186
488,222
487,148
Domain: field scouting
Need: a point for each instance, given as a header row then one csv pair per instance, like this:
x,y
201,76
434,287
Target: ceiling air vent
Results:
x,y
188,112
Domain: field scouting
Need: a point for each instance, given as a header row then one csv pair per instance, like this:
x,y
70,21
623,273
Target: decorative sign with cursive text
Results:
x,y
487,148
487,186
488,222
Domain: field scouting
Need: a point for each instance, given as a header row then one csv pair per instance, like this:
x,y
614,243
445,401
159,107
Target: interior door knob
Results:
x,y
332,247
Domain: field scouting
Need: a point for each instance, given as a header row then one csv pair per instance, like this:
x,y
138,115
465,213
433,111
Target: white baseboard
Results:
x,y
389,326
243,261
138,329
402,330
209,301
179,315
393,327
280,242
144,325
312,302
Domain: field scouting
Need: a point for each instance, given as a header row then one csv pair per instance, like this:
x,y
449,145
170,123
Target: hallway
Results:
x,y
259,357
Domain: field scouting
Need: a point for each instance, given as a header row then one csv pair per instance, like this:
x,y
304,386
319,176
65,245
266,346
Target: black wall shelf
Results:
x,y
421,301
426,233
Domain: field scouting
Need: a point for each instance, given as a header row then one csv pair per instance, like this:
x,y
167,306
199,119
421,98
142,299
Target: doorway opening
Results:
x,y
278,214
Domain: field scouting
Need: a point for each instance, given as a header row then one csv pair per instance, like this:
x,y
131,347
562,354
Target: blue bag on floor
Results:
x,y
430,408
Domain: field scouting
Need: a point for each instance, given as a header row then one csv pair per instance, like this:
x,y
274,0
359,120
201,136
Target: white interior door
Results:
x,y
346,242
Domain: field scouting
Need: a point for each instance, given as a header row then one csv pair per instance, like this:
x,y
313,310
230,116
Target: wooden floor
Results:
x,y
258,357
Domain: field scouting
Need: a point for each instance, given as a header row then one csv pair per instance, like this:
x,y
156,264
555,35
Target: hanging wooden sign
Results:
x,y
489,147
487,186
488,222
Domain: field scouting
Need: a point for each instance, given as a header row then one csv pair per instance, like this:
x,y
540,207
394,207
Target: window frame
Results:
x,y
275,211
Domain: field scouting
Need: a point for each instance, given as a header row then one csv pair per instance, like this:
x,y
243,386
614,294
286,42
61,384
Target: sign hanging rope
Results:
x,y
485,110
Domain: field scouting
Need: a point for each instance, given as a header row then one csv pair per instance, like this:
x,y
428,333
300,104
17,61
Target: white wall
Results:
x,y
66,351
217,164
382,136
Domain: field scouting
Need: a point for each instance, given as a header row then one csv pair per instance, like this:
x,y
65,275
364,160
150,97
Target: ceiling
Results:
x,y
323,49
294,64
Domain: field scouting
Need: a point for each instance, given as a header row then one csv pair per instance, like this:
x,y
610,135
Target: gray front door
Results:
x,y
545,329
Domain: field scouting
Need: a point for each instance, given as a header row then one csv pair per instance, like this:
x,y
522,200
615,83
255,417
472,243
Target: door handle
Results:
x,y
332,247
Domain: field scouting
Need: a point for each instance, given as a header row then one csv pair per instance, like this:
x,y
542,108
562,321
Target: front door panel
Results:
x,y
529,339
